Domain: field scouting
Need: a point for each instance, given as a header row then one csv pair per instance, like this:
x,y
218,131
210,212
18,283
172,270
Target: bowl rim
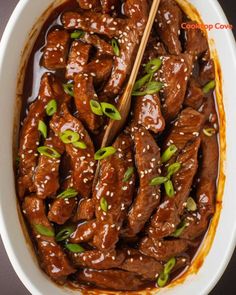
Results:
x,y
7,244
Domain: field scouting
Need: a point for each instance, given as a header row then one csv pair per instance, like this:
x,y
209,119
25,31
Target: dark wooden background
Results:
x,y
9,282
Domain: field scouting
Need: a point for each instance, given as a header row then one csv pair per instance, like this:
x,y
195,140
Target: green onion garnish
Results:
x,y
168,153
169,265
209,86
115,46
42,127
103,204
209,131
141,82
110,111
151,88
43,230
172,169
69,89
51,107
153,65
104,153
48,152
162,279
128,174
179,230
96,107
69,136
67,194
191,204
64,233
80,145
158,180
169,188
77,34
75,248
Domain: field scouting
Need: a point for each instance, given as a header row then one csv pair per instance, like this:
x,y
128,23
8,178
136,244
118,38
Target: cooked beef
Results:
x,y
147,158
89,4
85,210
194,96
84,92
52,258
147,112
109,6
79,56
111,279
84,232
168,23
117,192
103,47
50,89
207,72
55,52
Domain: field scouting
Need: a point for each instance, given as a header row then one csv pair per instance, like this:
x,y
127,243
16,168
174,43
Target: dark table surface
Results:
x,y
9,282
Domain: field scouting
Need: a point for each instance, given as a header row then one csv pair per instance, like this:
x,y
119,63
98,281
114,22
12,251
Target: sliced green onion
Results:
x,y
172,169
43,230
75,248
151,88
115,46
69,136
51,107
128,174
103,204
77,34
209,131
80,145
69,89
96,107
104,153
49,152
42,127
153,65
141,82
168,153
169,265
64,233
158,180
191,204
209,86
162,279
169,188
179,230
68,193
110,111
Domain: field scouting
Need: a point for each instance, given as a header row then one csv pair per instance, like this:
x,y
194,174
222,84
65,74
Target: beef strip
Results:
x,y
197,222
109,6
92,22
147,267
52,258
82,160
85,210
56,50
103,47
84,232
174,73
111,279
163,250
84,92
46,177
98,260
196,42
147,157
50,88
78,56
194,96
147,112
207,72
89,4
168,22
167,217
117,192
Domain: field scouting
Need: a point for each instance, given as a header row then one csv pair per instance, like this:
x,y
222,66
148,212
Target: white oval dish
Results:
x,y
25,264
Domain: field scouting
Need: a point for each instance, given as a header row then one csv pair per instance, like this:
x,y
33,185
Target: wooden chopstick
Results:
x,y
125,101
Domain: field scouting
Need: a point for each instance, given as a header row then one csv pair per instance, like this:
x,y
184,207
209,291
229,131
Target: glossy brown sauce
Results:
x,y
34,72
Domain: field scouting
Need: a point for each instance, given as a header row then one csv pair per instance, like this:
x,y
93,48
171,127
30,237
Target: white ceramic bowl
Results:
x,y
13,42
